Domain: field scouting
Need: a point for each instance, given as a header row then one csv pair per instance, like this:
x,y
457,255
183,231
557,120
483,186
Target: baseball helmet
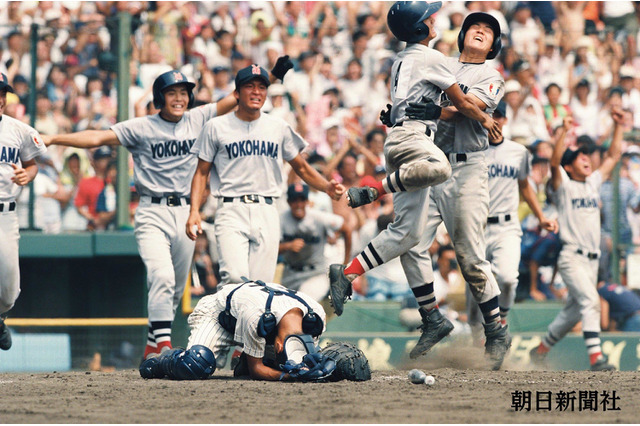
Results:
x,y
4,83
166,80
475,17
405,19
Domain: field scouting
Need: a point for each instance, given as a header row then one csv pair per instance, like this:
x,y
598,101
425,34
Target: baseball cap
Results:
x,y
297,191
501,109
632,150
219,69
379,169
627,71
251,72
520,65
570,155
511,86
102,152
4,83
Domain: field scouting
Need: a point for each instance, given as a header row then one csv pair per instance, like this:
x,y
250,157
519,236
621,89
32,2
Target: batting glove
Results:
x,y
385,116
426,110
283,64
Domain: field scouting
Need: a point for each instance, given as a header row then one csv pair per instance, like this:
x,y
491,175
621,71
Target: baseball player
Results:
x,y
20,144
247,149
576,193
254,316
509,166
462,201
161,147
303,240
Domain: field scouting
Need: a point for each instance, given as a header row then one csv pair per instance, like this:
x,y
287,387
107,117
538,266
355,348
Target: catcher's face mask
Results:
x,y
295,347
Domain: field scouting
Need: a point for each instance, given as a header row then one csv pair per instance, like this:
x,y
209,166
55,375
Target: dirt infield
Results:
x,y
458,396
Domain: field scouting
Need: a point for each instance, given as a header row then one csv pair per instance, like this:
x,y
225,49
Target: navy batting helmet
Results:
x,y
166,80
405,19
476,17
4,83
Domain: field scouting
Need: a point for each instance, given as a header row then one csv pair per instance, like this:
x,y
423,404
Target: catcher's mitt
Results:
x,y
351,364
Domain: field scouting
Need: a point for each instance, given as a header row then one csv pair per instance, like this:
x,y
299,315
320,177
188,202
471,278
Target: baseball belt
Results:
x,y
427,131
248,199
496,219
171,200
590,255
10,206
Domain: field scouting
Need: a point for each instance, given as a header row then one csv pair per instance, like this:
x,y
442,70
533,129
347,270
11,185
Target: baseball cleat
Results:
x,y
435,327
497,344
602,365
339,288
5,336
357,197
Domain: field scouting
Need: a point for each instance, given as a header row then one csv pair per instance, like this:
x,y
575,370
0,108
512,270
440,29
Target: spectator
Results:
x,y
106,203
585,112
89,188
208,270
554,112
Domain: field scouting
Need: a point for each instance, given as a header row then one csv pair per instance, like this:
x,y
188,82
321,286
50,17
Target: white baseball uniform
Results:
x,y
305,270
508,162
413,161
164,167
246,177
579,222
462,202
247,306
18,142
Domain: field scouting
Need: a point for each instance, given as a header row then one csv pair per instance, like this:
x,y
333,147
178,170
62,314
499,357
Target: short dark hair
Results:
x,y
370,135
546,90
443,248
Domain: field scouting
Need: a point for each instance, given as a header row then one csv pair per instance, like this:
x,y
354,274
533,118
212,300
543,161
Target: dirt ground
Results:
x,y
458,396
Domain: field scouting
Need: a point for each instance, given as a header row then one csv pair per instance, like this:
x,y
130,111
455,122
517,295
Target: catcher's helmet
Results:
x,y
475,17
166,80
4,84
405,19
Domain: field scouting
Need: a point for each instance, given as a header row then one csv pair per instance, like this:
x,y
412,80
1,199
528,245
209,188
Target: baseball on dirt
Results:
x,y
429,380
417,376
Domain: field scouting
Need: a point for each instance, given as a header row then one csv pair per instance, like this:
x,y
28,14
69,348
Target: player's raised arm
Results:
x,y
83,139
558,150
529,195
615,151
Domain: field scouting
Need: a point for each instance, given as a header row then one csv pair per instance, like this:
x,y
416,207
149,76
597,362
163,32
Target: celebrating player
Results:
x,y
304,236
576,193
509,165
247,149
251,315
19,146
161,148
461,202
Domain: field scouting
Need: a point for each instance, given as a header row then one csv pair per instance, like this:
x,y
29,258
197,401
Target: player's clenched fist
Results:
x,y
194,225
20,176
335,189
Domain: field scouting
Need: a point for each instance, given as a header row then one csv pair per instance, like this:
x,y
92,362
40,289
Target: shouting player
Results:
x,y
163,166
576,193
19,146
247,149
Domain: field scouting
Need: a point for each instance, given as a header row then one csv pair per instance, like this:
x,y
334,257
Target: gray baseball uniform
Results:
x,y
163,169
19,142
305,270
247,306
579,222
508,162
413,161
246,176
462,202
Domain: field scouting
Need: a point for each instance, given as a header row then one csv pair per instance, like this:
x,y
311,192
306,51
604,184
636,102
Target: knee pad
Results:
x,y
195,363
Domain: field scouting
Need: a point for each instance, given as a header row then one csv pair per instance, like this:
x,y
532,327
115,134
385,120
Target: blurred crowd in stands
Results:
x,y
559,58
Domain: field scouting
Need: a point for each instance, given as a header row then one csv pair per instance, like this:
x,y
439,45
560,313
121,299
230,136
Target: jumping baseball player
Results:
x,y
509,165
461,202
303,240
161,146
247,149
20,144
253,316
576,193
